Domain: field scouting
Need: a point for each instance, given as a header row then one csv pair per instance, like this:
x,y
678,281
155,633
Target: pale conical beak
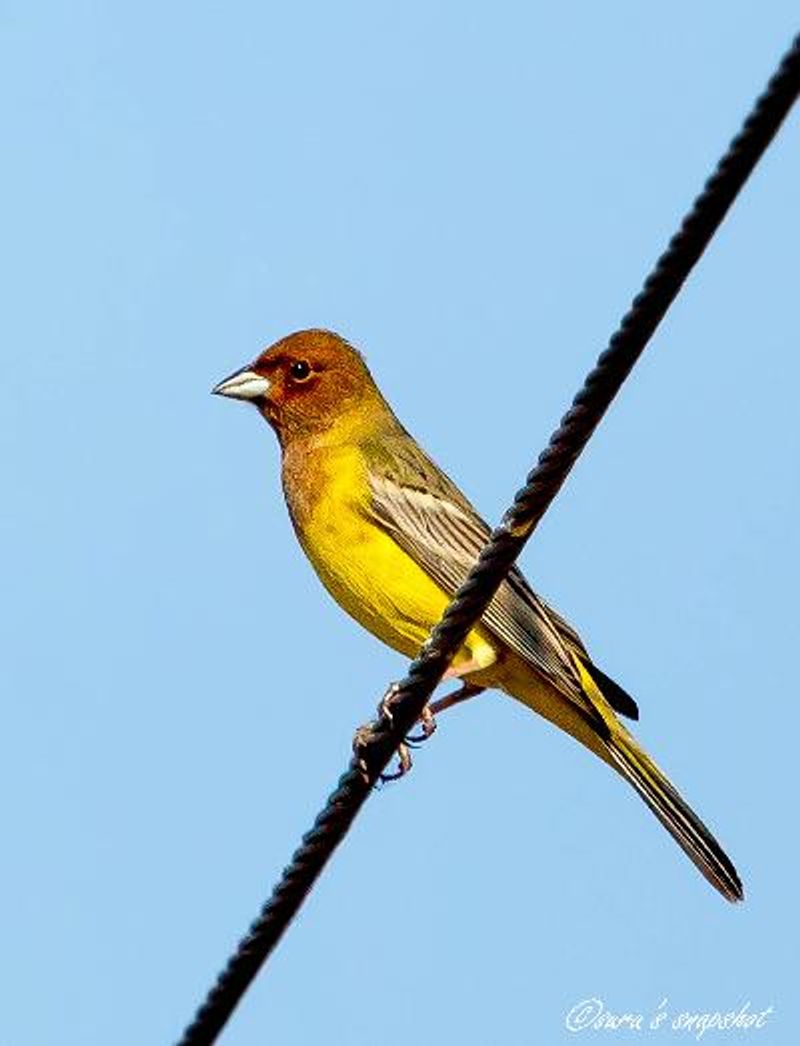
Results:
x,y
245,384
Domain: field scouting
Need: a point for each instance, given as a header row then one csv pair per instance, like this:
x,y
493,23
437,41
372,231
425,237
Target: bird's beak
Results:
x,y
244,384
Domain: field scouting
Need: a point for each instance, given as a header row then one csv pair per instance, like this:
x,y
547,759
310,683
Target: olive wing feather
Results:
x,y
431,520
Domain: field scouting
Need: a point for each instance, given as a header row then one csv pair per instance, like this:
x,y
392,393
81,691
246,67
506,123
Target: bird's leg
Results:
x,y
455,697
433,708
428,723
427,719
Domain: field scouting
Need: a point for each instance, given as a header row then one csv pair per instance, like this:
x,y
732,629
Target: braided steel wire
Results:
x,y
405,701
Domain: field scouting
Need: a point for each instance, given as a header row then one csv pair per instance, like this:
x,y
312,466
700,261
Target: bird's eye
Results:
x,y
300,370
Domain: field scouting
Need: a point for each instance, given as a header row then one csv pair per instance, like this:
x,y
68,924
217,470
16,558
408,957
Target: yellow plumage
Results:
x,y
392,538
363,568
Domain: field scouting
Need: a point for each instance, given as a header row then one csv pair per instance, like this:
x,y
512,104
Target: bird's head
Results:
x,y
304,383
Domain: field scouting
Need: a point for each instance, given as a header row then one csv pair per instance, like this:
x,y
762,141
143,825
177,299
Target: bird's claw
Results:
x,y
427,723
361,740
385,707
404,764
364,734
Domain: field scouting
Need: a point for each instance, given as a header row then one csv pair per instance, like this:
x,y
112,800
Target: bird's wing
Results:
x,y
429,517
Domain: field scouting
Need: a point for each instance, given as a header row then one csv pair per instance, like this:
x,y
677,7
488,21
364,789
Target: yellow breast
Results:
x,y
365,571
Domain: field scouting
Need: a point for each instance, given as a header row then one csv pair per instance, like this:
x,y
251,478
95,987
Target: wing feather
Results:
x,y
430,519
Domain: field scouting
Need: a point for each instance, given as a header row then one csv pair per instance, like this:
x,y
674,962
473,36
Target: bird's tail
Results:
x,y
674,813
610,740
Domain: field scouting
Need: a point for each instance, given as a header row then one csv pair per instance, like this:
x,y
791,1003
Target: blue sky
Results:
x,y
472,197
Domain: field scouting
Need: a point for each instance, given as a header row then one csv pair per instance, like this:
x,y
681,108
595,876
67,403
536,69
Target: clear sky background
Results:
x,y
472,194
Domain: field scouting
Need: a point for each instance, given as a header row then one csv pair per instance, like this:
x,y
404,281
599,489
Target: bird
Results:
x,y
391,538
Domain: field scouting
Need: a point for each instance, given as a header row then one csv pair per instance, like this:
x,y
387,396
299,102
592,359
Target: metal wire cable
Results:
x,y
407,700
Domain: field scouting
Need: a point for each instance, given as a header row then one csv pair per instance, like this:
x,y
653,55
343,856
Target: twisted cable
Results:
x,y
405,701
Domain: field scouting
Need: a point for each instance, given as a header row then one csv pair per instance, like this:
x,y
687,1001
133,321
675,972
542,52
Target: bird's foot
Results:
x,y
428,718
385,706
404,764
361,740
427,722
427,728
364,735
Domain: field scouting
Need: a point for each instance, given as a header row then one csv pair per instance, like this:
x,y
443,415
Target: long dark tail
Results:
x,y
674,813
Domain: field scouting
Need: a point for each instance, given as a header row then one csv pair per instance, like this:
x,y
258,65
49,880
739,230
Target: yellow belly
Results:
x,y
370,576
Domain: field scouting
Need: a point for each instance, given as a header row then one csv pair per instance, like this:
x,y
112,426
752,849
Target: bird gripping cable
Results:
x,y
407,700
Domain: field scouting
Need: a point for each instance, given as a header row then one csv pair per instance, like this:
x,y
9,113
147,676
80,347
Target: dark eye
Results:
x,y
300,370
